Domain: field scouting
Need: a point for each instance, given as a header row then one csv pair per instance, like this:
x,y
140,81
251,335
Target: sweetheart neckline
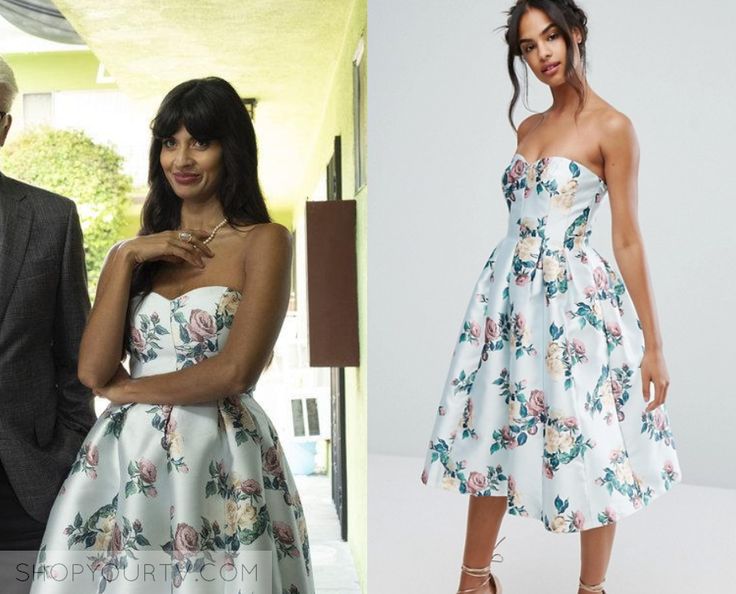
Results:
x,y
578,163
196,289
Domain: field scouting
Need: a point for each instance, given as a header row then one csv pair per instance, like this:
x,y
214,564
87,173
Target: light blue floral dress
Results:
x,y
201,485
543,399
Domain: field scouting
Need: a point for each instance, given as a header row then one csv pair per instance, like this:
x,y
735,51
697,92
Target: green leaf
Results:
x,y
210,489
130,488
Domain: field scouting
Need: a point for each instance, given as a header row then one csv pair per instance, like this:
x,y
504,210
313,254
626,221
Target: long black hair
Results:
x,y
210,109
567,16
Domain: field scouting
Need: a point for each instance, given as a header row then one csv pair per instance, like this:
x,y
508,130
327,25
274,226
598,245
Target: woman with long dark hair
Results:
x,y
547,410
184,463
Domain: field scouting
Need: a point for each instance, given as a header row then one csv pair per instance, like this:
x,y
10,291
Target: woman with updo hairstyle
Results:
x,y
554,403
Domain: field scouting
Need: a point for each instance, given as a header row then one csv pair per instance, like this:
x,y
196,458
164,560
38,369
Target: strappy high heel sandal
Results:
x,y
484,572
595,588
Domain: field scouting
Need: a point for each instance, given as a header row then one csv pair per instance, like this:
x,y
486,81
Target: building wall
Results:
x,y
338,120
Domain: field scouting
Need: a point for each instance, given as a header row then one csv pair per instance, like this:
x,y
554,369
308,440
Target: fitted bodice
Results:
x,y
554,197
166,335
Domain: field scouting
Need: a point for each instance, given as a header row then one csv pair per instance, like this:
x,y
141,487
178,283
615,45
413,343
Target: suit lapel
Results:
x,y
15,230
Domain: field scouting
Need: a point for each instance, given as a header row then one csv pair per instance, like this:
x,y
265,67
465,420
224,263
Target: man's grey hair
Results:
x,y
8,86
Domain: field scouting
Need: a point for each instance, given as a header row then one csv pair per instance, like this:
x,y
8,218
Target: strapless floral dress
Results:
x,y
543,399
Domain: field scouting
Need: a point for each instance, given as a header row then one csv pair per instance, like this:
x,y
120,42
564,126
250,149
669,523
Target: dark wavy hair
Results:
x,y
210,109
567,16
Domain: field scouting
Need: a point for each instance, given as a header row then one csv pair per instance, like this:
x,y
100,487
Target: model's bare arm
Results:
x,y
255,328
620,151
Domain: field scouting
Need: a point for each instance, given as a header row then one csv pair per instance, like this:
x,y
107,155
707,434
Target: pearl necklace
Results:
x,y
214,231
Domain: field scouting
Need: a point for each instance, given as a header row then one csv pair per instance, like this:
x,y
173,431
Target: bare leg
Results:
x,y
596,545
484,521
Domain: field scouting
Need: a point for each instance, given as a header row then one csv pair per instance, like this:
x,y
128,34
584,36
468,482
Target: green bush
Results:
x,y
71,164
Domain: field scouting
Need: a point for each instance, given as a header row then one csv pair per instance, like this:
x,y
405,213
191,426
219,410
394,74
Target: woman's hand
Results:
x,y
115,389
654,370
168,246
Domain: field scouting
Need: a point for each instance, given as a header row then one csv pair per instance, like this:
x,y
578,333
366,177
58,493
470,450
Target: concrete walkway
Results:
x,y
334,571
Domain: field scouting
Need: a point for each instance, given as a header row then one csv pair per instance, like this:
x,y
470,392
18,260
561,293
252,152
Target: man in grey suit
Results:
x,y
45,412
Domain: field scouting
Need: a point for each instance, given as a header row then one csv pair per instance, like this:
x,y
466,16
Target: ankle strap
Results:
x,y
477,572
481,573
595,588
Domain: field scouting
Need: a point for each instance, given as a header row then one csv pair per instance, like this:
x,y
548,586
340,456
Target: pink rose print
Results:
x,y
616,388
116,543
579,346
139,343
571,422
283,533
186,541
425,476
669,467
492,332
578,520
522,280
477,482
516,171
97,564
271,462
589,291
512,483
148,470
474,329
536,404
520,323
614,329
601,278
93,455
659,419
250,487
201,325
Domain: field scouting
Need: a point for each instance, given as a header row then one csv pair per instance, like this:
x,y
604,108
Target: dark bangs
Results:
x,y
193,109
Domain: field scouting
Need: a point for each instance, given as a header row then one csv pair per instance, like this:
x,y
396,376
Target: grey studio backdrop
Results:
x,y
440,141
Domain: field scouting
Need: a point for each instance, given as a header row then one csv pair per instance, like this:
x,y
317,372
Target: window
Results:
x,y
360,112
305,426
37,109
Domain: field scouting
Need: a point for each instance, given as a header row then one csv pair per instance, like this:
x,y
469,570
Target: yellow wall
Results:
x,y
338,120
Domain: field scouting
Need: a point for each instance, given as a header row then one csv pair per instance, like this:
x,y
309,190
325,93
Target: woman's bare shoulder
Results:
x,y
616,130
264,237
527,125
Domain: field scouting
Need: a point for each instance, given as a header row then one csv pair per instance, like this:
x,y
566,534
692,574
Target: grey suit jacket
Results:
x,y
45,412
